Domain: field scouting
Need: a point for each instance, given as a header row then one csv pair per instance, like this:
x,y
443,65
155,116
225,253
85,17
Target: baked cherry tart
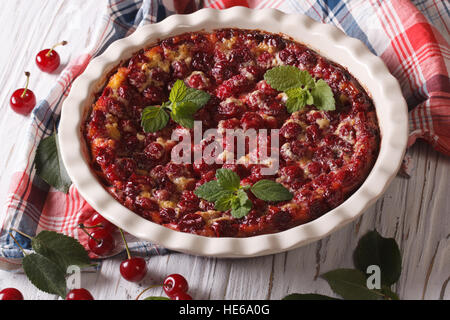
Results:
x,y
325,142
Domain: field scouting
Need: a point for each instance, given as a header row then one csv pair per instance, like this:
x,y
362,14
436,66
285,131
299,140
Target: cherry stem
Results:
x,y
27,74
20,247
126,244
146,289
62,43
22,233
82,227
93,227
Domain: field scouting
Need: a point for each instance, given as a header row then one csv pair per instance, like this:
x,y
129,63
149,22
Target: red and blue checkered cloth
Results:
x,y
412,37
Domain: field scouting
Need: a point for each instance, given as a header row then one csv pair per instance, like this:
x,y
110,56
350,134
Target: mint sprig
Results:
x,y
300,88
183,103
227,193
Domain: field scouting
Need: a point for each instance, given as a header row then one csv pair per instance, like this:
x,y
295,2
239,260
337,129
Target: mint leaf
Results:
x,y
183,113
228,179
297,99
306,79
154,118
45,274
178,91
198,97
307,296
301,88
210,191
269,190
61,249
225,202
49,165
282,78
350,284
373,249
241,205
323,96
184,103
240,212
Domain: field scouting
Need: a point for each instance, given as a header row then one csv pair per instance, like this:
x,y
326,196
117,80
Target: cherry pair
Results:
x,y
175,286
23,100
101,242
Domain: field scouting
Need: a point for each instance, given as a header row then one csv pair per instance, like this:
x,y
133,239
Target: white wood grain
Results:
x,y
414,211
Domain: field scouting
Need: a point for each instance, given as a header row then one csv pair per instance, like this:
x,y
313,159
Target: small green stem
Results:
x,y
82,227
126,244
62,43
146,289
27,74
22,233
20,247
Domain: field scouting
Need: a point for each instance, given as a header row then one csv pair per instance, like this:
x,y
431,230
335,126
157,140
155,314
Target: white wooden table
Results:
x,y
415,211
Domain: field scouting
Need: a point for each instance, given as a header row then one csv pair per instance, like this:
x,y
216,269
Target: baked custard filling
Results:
x,y
231,133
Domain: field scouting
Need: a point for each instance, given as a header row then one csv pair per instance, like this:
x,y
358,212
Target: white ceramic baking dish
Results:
x,y
329,41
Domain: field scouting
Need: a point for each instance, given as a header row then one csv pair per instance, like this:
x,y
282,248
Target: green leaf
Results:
x,y
228,179
198,97
323,96
240,212
241,205
61,249
225,202
156,298
307,296
154,118
183,113
282,78
351,284
269,190
389,294
373,249
211,191
45,274
306,79
178,91
49,165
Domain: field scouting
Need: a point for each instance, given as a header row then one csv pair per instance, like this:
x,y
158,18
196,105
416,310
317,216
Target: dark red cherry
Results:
x,y
10,294
101,242
175,284
133,269
79,294
181,296
48,59
97,220
23,100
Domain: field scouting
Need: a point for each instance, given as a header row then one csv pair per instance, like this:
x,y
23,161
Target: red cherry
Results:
x,y
181,296
98,220
48,59
101,242
23,100
10,294
133,269
79,294
175,284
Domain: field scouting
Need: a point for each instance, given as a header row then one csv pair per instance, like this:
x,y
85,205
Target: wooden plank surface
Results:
x,y
415,211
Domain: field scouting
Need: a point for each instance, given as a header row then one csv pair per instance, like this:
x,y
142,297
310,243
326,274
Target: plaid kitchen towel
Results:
x,y
411,37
